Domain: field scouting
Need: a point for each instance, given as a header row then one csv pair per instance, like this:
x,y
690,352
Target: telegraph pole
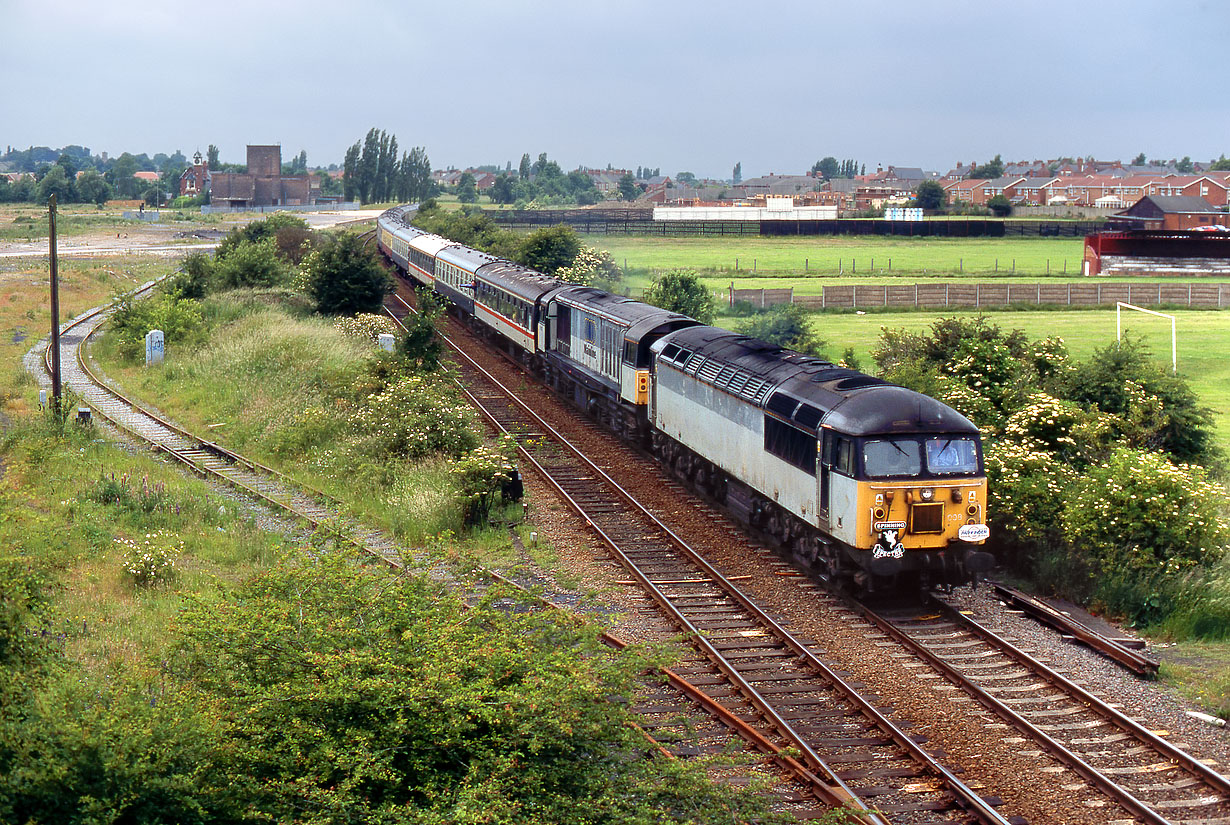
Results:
x,y
56,401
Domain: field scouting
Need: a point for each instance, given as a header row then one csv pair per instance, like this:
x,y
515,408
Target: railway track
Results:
x,y
671,725
742,658
201,456
1116,756
1118,760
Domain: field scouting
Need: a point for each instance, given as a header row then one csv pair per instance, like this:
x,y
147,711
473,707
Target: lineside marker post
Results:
x,y
1174,346
56,401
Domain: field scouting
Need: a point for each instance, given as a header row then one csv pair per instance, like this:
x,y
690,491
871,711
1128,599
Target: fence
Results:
x,y
641,222
929,295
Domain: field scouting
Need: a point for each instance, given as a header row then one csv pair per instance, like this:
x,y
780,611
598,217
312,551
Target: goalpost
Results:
x,y
1174,349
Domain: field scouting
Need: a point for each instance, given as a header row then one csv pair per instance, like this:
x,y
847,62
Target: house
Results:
x,y
1168,212
195,179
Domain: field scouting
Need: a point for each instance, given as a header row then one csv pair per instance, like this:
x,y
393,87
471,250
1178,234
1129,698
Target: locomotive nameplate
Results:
x,y
890,525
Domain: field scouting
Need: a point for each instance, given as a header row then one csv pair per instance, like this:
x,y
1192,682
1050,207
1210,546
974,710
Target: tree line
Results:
x,y
372,172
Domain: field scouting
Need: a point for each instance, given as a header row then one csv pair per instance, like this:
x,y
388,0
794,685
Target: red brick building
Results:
x,y
263,184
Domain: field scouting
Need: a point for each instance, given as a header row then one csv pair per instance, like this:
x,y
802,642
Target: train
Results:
x,y
869,483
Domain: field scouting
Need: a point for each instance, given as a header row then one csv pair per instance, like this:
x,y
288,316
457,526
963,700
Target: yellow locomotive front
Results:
x,y
919,504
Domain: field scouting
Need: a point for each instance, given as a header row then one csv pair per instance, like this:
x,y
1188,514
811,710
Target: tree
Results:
x,y
350,173
93,188
685,177
627,187
211,156
1139,160
930,195
785,325
122,176
467,192
1185,166
1222,164
827,168
736,175
681,291
993,169
523,170
502,190
421,346
345,278
1000,206
549,249
56,182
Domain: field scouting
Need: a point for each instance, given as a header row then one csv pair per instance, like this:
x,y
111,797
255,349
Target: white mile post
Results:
x,y
154,347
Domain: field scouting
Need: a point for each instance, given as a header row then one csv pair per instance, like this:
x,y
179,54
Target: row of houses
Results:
x,y
1105,191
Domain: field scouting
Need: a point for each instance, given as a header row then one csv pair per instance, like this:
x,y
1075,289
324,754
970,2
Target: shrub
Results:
x,y
256,231
366,326
590,266
681,291
344,277
178,318
1145,523
549,249
146,498
483,476
785,325
1158,410
194,277
252,264
413,416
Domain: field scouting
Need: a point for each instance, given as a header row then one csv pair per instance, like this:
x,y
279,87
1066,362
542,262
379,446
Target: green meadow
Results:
x,y
846,255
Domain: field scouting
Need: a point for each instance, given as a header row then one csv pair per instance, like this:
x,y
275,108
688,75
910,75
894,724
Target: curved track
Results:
x,y
663,710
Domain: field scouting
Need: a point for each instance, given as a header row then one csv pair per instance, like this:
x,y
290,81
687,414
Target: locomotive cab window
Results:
x,y
948,455
892,457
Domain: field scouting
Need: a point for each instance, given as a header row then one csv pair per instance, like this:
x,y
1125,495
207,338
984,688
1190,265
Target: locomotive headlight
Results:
x,y
956,495
926,494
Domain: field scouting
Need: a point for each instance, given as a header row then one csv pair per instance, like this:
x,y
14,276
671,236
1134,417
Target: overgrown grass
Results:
x,y
267,384
55,517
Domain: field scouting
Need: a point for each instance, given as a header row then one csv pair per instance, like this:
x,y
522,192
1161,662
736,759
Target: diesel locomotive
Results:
x,y
863,479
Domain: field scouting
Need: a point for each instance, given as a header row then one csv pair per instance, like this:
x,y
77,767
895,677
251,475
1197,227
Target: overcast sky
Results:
x,y
677,84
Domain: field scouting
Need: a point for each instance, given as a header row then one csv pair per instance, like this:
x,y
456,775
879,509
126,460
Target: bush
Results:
x,y
681,291
252,264
1144,521
344,277
413,416
178,318
483,476
366,326
256,231
590,267
549,249
193,279
785,325
1156,410
150,560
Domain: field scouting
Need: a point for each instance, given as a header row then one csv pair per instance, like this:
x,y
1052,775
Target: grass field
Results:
x,y
1203,341
846,255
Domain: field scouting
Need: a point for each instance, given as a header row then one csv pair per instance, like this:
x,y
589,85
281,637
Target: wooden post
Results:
x,y
56,404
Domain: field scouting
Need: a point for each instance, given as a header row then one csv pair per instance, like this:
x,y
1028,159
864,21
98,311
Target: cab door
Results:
x,y
823,476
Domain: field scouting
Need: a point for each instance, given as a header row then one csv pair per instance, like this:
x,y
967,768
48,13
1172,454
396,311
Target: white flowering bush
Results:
x,y
590,265
366,326
150,559
482,476
1062,428
1051,359
412,416
1027,491
1139,512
